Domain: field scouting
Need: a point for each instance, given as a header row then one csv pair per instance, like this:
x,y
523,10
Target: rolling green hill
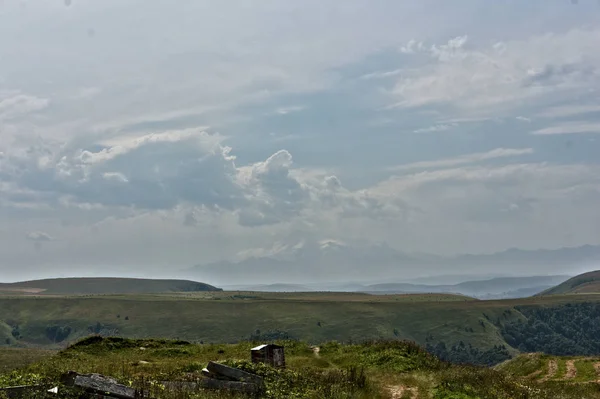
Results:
x,y
104,285
230,317
453,327
586,283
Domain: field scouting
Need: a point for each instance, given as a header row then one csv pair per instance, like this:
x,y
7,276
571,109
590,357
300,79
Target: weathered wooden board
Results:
x,y
233,373
208,374
99,384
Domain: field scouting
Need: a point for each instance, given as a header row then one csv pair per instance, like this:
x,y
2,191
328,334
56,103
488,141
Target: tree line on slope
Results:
x,y
461,353
566,330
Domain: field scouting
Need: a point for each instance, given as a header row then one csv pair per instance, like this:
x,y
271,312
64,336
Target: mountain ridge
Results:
x,y
313,262
495,288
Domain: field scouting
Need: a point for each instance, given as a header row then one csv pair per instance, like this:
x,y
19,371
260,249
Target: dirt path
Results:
x,y
571,370
398,391
597,368
552,370
533,375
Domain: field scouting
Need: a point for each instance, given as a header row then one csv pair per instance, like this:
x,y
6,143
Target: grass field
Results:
x,y
222,317
229,317
14,358
380,369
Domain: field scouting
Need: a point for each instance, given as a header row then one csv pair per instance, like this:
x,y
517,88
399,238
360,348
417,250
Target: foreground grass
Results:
x,y
14,358
378,369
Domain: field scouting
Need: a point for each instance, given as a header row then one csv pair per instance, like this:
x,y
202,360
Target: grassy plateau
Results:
x,y
53,321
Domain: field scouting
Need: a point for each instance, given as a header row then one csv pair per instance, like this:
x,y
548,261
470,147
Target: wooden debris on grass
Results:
x,y
99,385
233,374
216,376
219,376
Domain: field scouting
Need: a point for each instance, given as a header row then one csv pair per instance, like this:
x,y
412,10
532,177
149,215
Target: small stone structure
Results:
x,y
270,354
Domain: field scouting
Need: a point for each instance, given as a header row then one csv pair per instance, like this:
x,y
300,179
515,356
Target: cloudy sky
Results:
x,y
145,135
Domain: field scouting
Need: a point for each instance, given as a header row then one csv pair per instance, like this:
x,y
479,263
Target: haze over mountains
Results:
x,y
336,266
495,288
335,262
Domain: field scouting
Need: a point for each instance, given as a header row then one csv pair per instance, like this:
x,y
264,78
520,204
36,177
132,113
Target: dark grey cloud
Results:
x,y
153,172
161,171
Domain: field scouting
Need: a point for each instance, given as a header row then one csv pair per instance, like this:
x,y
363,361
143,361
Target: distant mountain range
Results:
x,y
307,263
496,288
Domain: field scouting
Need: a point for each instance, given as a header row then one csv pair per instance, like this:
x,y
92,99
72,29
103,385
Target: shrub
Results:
x,y
58,333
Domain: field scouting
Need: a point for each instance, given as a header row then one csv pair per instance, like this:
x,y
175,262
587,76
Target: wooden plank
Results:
x,y
99,384
208,374
233,373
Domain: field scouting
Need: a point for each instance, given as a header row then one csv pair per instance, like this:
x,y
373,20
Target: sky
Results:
x,y
139,136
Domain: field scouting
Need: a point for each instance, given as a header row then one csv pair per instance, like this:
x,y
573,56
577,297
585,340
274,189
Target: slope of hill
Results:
x,y
374,370
585,283
537,367
108,285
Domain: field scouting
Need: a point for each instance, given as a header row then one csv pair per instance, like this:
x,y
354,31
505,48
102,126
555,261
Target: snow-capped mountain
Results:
x,y
306,261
